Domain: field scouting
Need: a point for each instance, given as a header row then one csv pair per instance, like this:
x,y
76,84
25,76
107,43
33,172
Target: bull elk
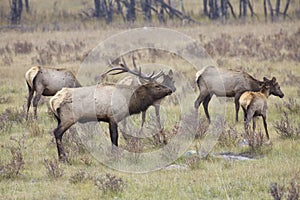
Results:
x,y
46,82
167,80
107,103
254,104
224,83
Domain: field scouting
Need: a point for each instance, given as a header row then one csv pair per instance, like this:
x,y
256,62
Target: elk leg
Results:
x,y
199,100
58,133
157,137
143,119
157,108
124,124
36,101
245,114
30,95
250,115
205,106
237,107
254,124
113,131
245,118
265,125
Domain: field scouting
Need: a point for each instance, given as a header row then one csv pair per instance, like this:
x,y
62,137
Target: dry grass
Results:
x,y
210,178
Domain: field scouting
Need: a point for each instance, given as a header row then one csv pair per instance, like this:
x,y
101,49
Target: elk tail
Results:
x,y
31,74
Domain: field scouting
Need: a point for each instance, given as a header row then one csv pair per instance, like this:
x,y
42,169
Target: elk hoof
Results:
x,y
63,159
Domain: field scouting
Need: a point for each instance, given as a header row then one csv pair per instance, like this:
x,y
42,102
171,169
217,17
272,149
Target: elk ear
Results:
x,y
170,72
274,80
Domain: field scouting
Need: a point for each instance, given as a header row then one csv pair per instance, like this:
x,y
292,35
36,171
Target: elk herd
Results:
x,y
112,103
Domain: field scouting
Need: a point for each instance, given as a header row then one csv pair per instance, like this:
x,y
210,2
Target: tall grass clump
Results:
x,y
288,126
290,192
11,116
53,168
110,184
16,164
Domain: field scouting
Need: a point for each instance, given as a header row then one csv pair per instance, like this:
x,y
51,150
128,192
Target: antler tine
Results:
x,y
136,71
134,64
157,75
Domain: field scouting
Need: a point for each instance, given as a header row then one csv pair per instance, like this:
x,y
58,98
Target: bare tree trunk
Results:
x,y
146,9
211,9
224,4
265,11
244,9
231,8
205,11
277,9
182,6
108,8
251,8
171,13
120,10
27,6
16,8
130,10
286,8
97,8
271,10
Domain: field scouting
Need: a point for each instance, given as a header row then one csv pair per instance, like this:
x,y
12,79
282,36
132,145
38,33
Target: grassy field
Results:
x,y
28,156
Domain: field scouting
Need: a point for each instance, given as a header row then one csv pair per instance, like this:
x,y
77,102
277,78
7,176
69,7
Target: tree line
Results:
x,y
163,10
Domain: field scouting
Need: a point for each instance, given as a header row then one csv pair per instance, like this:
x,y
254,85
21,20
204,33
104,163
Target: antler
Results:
x,y
137,71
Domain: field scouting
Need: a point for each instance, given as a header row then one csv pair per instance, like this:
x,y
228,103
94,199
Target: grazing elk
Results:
x,y
223,83
167,81
108,103
46,82
254,104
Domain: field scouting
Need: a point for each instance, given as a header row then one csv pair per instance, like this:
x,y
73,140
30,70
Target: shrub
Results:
x,y
9,116
16,164
292,192
53,168
34,129
110,184
23,47
288,126
255,140
79,177
228,137
285,128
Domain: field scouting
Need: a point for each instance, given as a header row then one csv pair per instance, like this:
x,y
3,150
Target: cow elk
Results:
x,y
107,103
46,82
254,104
224,83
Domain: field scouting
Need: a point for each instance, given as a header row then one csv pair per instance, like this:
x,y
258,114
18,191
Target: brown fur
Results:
x,y
247,97
46,82
106,103
223,83
255,103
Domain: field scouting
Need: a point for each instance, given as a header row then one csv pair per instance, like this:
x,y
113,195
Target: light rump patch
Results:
x,y
31,74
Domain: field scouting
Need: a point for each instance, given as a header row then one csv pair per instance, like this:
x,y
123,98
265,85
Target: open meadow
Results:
x,y
29,166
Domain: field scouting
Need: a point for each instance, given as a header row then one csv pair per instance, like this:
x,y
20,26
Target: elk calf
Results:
x,y
46,82
108,103
255,103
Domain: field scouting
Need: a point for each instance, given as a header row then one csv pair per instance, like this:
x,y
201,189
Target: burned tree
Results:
x,y
218,9
104,8
16,8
